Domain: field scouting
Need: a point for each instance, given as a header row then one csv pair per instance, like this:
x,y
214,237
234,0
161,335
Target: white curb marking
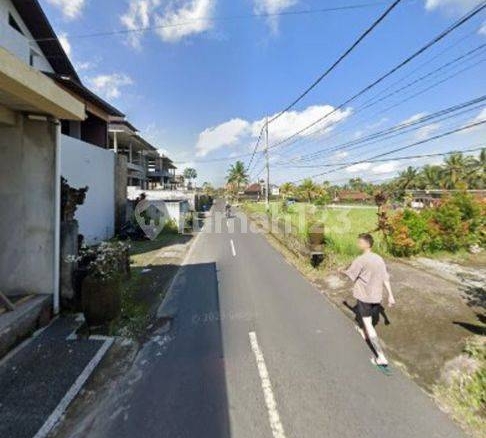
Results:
x,y
273,415
233,250
75,388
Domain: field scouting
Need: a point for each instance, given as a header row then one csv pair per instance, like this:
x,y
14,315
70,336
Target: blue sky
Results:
x,y
199,86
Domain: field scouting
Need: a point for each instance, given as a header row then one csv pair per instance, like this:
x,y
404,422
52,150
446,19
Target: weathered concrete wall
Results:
x,y
121,178
84,165
27,201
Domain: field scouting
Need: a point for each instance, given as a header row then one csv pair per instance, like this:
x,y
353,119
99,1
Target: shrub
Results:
x,y
456,223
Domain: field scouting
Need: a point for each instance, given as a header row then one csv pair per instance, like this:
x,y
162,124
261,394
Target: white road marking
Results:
x,y
233,250
273,415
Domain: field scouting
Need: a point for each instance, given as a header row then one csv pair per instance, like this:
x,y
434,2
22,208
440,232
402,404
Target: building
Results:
x,y
147,168
32,108
353,196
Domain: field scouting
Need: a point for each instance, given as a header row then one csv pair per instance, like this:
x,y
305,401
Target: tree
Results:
x,y
456,167
190,174
407,178
430,177
309,190
237,176
287,189
208,189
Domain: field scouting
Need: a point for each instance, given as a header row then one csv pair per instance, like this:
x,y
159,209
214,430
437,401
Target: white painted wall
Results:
x,y
16,43
85,165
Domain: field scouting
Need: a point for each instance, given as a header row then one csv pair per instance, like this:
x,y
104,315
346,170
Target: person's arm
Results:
x,y
391,298
353,271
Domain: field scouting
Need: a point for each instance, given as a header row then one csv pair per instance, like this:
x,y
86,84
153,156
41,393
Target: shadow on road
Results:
x,y
182,388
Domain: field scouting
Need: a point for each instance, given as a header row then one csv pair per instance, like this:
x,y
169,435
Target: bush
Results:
x,y
456,223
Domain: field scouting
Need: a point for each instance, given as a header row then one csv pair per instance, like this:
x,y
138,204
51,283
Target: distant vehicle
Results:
x,y
417,205
291,201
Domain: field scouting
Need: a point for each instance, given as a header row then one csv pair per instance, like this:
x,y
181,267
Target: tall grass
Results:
x,y
341,225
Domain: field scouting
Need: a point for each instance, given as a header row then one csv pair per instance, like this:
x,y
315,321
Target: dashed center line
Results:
x,y
233,250
273,415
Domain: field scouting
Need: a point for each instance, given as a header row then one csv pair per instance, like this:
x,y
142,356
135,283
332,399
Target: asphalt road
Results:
x,y
255,351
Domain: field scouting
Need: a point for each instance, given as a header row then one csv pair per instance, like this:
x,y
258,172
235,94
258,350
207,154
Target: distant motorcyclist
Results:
x,y
227,209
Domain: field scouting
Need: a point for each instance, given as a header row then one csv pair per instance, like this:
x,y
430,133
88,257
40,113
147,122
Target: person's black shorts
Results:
x,y
366,310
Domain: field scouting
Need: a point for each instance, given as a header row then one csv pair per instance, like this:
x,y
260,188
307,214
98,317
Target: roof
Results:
x,y
85,93
35,19
358,196
123,122
23,88
253,188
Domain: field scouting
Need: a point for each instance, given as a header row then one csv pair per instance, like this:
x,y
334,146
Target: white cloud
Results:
x,y
482,29
194,14
413,118
226,134
71,9
451,6
66,45
426,131
109,86
273,7
238,131
138,16
355,168
387,167
340,155
294,121
173,21
481,116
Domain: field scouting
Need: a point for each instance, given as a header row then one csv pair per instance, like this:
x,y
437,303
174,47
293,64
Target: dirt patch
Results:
x,y
429,326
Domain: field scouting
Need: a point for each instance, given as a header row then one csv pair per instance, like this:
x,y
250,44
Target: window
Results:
x,y
13,23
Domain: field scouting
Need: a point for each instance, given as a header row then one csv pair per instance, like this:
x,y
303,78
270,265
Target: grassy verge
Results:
x,y
153,265
342,226
462,390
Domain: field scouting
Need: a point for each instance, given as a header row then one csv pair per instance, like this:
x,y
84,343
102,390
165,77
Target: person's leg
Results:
x,y
375,342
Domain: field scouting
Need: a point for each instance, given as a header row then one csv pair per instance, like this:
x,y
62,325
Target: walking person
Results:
x,y
369,274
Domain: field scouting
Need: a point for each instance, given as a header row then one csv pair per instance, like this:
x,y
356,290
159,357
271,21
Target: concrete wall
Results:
x,y
121,175
27,203
16,43
84,165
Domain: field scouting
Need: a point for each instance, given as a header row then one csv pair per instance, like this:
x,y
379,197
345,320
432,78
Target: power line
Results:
x,y
386,109
143,29
408,157
418,143
401,128
370,29
409,59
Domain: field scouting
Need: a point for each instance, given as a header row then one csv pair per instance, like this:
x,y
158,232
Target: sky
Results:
x,y
200,81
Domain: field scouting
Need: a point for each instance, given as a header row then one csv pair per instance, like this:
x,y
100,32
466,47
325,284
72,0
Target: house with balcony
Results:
x,y
147,168
85,158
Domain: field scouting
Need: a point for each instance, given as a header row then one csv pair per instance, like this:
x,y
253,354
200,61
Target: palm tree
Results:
x,y
430,177
456,169
407,178
476,176
190,174
208,189
309,190
237,176
287,189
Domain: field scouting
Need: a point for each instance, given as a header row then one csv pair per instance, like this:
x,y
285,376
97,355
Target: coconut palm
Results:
x,y
237,176
287,189
309,190
407,178
430,177
456,168
190,174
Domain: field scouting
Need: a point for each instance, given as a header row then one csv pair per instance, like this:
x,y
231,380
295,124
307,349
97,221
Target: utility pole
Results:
x,y
267,158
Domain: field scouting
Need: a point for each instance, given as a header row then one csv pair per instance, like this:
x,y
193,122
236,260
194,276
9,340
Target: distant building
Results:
x,y
352,196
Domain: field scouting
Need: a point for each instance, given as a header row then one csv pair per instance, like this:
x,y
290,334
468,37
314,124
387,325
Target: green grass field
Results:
x,y
342,225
